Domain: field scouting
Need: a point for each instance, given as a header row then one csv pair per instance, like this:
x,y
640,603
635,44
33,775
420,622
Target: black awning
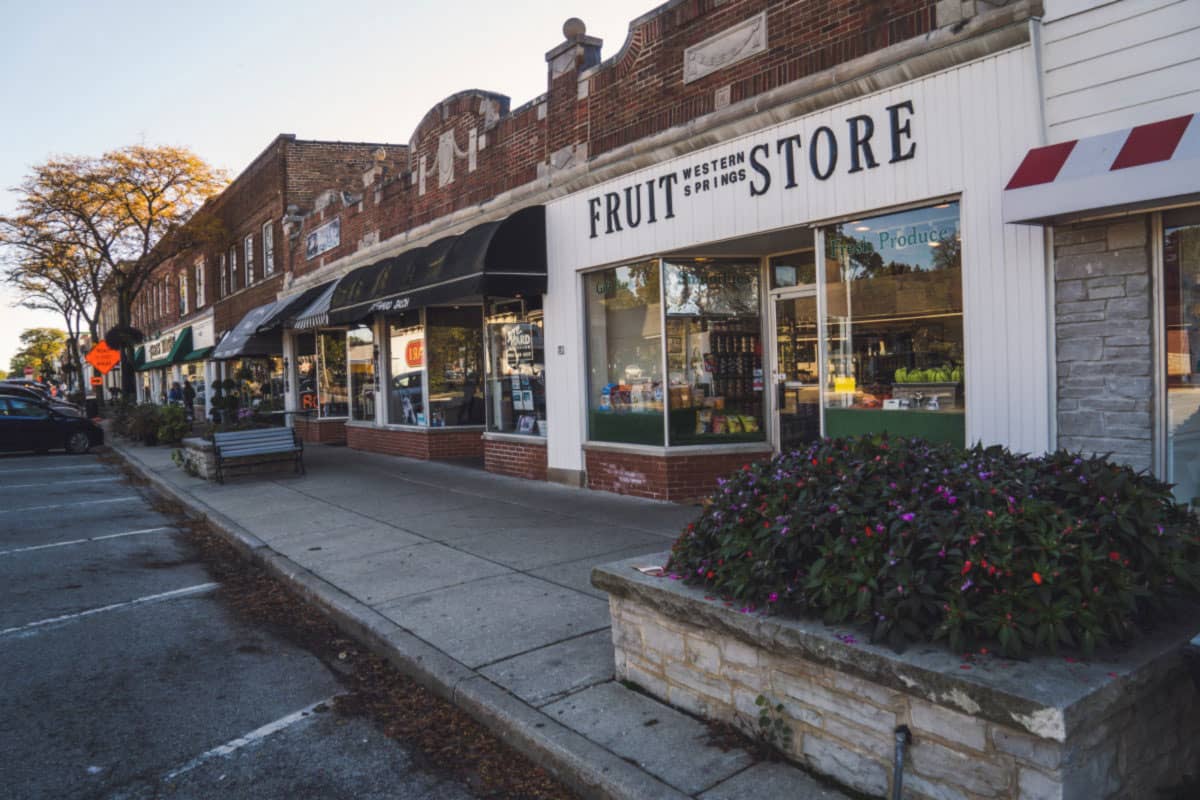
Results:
x,y
502,259
284,314
245,340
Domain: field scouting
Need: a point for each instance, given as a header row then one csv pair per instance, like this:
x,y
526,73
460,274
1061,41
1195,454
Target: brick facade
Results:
x,y
321,431
428,445
675,476
1105,339
517,459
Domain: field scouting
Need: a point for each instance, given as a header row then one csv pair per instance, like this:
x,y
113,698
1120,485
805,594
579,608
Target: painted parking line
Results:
x,y
66,505
256,735
34,547
80,465
32,627
109,479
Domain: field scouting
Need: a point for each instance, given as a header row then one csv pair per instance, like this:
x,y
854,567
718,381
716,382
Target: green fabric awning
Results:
x,y
199,355
139,357
181,348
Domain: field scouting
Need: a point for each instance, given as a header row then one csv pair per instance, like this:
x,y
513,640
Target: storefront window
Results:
x,y
361,341
306,371
406,339
516,367
894,325
1181,290
331,374
259,383
714,351
454,338
193,372
625,389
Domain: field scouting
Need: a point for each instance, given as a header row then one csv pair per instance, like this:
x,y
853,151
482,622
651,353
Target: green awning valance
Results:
x,y
181,347
199,355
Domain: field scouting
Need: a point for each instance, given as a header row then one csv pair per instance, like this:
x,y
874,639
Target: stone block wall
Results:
x,y
676,476
1038,730
1105,339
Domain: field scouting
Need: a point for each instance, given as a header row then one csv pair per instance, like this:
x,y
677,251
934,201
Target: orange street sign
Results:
x,y
97,380
103,358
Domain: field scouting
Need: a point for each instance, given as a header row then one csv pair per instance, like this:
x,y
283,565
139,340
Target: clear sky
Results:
x,y
224,78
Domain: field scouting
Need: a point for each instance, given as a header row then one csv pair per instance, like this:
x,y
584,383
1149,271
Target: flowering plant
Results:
x,y
927,541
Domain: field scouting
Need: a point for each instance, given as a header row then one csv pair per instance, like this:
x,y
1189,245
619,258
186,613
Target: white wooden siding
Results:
x,y
1113,65
972,126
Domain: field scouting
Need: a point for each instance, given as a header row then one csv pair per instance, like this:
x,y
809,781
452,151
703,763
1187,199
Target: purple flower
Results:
x,y
969,583
908,517
773,597
879,529
853,540
785,530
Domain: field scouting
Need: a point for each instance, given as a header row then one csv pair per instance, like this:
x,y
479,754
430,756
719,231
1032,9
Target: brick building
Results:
x,y
198,296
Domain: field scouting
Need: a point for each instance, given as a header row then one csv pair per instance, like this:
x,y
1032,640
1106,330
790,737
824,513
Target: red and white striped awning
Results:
x,y
1123,169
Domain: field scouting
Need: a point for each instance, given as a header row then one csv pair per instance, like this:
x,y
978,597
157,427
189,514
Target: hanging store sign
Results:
x,y
797,155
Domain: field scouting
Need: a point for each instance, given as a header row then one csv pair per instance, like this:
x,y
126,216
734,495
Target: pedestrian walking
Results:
x,y
175,396
189,399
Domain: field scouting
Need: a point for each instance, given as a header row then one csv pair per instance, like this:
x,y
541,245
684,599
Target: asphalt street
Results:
x,y
125,676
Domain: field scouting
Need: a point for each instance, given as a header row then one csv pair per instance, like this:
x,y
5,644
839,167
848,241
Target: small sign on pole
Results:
x,y
29,372
97,380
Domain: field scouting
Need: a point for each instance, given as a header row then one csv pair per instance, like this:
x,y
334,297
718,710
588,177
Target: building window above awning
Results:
x,y
1123,170
505,258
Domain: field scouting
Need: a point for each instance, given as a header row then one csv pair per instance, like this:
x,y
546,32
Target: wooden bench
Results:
x,y
237,445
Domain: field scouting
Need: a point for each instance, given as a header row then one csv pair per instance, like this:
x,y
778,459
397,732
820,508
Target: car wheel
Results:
x,y
78,443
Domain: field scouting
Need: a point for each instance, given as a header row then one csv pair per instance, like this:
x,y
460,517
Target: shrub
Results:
x,y
143,424
122,414
928,541
173,424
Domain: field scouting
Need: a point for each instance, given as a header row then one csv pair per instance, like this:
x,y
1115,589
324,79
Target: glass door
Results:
x,y
1181,290
797,371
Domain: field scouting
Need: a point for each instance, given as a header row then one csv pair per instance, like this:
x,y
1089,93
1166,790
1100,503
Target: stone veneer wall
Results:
x,y
1122,729
1105,339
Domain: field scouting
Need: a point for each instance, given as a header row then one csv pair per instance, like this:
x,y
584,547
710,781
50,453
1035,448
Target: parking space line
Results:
x,y
65,505
107,479
34,547
81,465
31,627
256,735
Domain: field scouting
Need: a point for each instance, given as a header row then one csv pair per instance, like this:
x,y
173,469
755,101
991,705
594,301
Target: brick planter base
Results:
x,y
520,459
1039,729
321,431
427,444
678,475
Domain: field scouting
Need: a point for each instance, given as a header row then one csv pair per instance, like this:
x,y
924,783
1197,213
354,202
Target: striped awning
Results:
x,y
317,313
1122,170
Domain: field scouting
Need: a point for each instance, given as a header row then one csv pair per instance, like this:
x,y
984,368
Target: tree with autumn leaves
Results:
x,y
88,226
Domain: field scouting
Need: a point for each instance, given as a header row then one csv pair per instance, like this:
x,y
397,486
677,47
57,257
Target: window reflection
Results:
x,y
516,367
406,404
362,373
455,352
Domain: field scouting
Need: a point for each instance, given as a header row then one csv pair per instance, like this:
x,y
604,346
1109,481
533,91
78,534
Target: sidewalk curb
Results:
x,y
587,768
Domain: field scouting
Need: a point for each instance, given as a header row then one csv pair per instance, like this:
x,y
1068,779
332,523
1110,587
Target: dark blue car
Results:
x,y
32,425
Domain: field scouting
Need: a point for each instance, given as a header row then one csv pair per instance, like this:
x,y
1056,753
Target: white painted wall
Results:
x,y
1113,65
972,125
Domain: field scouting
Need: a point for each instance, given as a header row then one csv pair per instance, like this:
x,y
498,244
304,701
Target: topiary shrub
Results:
x,y
143,424
173,424
927,541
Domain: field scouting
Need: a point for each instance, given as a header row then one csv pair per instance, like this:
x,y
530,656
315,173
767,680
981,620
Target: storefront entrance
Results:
x,y
796,374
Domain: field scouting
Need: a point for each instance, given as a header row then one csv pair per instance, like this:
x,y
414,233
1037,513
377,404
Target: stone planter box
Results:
x,y
199,453
982,727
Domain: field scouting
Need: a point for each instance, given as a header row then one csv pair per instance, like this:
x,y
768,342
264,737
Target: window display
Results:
x,y
625,355
516,367
361,345
455,350
894,325
1181,317
406,339
331,374
714,351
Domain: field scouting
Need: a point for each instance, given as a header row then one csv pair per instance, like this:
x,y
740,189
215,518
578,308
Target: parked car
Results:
x,y
24,390
27,424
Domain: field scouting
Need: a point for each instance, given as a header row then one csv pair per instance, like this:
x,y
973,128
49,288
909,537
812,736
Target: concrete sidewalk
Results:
x,y
478,586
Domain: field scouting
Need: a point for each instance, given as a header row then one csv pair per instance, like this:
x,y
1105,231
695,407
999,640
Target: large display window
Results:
x,y
1181,337
625,355
516,367
321,373
714,351
361,350
406,345
454,350
894,325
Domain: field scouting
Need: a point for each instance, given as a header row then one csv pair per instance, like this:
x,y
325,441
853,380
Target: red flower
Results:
x,y
966,568
1037,578
710,575
1114,556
